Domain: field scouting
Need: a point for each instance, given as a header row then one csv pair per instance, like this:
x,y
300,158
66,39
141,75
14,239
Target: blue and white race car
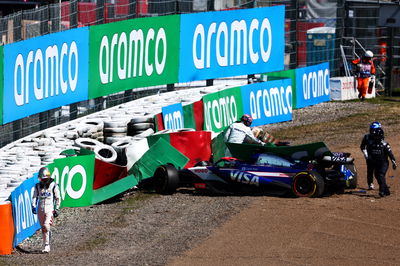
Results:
x,y
263,173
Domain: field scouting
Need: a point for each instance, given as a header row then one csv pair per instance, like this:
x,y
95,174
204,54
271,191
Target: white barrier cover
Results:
x,y
344,88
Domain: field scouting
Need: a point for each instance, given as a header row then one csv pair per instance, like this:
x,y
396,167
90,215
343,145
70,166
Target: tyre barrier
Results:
x,y
114,130
120,148
95,129
138,125
105,153
146,133
87,143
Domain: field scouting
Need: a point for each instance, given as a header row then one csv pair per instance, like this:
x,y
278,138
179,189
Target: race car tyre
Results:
x,y
308,184
352,183
166,179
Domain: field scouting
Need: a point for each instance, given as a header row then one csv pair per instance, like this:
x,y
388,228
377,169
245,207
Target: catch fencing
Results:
x,y
315,32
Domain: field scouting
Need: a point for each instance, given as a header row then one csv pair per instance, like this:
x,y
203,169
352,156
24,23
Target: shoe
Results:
x,y
362,98
387,193
371,187
381,194
46,249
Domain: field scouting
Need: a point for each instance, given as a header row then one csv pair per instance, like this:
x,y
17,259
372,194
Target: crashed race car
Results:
x,y
263,173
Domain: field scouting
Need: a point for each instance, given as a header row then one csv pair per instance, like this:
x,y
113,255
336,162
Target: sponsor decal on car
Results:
x,y
201,171
244,177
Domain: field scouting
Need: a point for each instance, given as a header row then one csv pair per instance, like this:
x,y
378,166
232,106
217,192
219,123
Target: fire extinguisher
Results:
x,y
371,84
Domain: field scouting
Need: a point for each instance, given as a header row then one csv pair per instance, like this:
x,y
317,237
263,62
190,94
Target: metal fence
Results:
x,y
314,33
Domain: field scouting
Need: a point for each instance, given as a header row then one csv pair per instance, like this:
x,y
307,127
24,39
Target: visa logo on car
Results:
x,y
243,177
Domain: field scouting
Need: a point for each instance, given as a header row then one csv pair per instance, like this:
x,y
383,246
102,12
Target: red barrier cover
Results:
x,y
158,120
196,145
198,109
107,173
6,229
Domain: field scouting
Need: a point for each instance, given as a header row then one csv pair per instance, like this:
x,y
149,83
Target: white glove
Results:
x,y
365,154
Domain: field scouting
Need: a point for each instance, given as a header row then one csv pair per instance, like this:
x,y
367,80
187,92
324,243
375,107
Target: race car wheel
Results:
x,y
352,183
308,184
166,179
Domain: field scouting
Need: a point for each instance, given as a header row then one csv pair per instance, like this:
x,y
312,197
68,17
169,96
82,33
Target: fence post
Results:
x,y
170,87
17,27
55,17
132,9
44,20
44,29
73,14
390,54
340,16
293,31
73,21
100,12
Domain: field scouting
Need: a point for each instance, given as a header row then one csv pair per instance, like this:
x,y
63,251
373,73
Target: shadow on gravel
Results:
x,y
27,251
362,193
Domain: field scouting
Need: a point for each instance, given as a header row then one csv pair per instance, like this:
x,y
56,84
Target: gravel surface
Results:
x,y
148,229
324,112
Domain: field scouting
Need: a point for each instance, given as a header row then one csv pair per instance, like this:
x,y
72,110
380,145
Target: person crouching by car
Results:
x,y
46,204
240,132
376,152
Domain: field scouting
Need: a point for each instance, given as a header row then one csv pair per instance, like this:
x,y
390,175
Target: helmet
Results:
x,y
378,134
246,119
369,54
374,125
44,173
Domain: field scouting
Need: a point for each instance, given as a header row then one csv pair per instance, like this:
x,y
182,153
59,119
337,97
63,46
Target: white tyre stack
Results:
x,y
120,148
115,130
140,124
95,129
87,143
106,153
102,151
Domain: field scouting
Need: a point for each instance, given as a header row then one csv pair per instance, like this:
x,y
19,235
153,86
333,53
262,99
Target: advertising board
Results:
x,y
133,53
312,85
231,43
268,102
222,108
44,73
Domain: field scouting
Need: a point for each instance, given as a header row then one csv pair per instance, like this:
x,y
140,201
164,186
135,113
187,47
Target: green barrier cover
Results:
x,y
218,146
188,116
161,152
74,175
151,140
113,189
298,152
283,75
1,83
133,53
222,108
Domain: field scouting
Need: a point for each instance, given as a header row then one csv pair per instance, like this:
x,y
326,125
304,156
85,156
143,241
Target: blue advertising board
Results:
x,y
231,43
26,223
173,116
312,85
268,102
45,72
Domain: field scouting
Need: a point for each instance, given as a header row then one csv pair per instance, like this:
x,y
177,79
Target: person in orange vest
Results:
x,y
365,71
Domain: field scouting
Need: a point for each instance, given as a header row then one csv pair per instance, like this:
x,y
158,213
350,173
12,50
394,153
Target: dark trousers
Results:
x,y
378,169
